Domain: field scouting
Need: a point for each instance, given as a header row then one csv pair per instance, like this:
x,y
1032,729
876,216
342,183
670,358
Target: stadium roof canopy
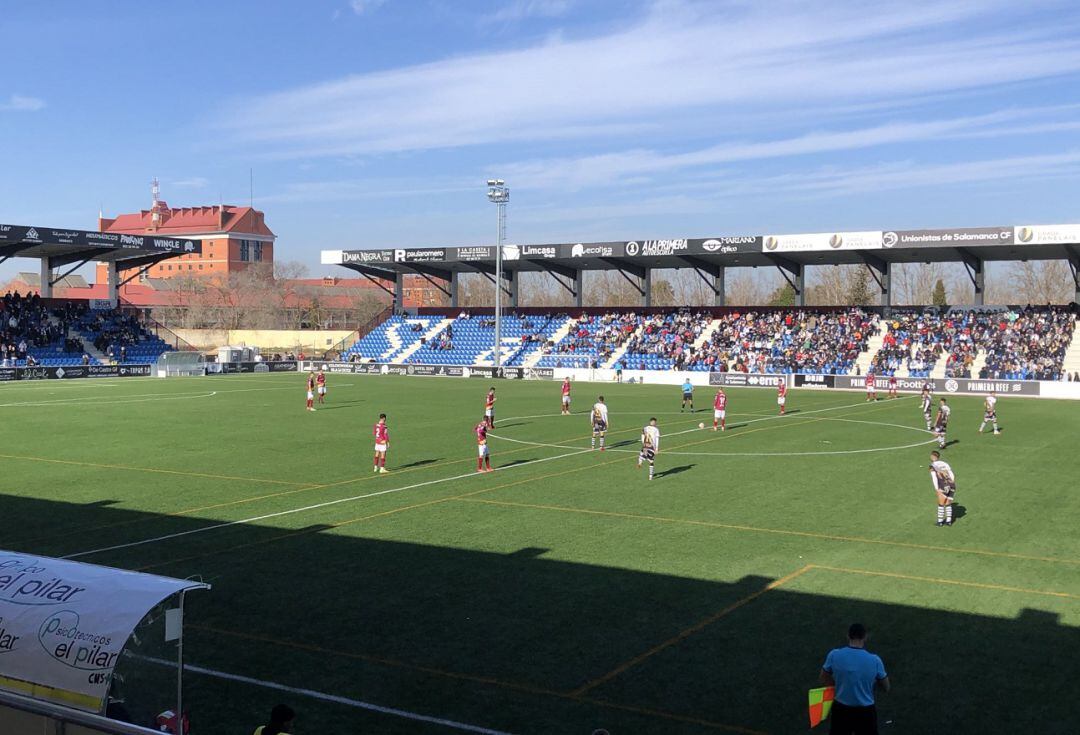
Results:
x,y
636,259
57,248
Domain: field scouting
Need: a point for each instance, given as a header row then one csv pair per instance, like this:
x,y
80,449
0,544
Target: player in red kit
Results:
x,y
382,442
310,391
892,386
320,383
781,396
566,397
489,408
871,389
484,455
719,411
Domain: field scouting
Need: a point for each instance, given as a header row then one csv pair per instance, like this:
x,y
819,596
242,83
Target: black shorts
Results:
x,y
688,396
599,427
990,416
940,427
845,720
648,453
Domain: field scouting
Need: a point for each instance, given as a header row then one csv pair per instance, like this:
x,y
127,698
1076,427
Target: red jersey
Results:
x,y
311,384
489,403
566,388
382,433
320,379
869,380
720,402
481,433
892,381
781,389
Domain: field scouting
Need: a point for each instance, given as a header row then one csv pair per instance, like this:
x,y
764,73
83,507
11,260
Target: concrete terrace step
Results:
x,y
872,346
557,337
427,336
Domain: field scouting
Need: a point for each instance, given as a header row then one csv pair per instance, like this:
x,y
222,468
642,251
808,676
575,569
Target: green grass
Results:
x,y
565,592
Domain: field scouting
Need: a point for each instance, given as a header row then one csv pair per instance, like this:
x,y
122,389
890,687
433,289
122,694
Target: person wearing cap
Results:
x,y
281,720
855,672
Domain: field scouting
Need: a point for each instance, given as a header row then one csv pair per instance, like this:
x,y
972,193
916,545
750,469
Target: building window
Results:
x,y
258,251
200,266
245,251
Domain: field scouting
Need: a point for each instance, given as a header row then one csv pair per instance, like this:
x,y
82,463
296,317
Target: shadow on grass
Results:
x,y
419,463
675,470
481,618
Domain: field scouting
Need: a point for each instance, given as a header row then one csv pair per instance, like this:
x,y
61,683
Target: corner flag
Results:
x,y
820,704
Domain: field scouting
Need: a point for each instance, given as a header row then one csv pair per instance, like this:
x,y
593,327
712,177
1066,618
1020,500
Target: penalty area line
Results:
x,y
324,697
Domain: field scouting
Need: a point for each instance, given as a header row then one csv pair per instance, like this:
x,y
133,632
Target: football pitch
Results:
x,y
564,592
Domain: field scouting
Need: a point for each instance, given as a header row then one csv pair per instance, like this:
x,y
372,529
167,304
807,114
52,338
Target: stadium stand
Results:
x,y
1027,345
390,339
805,341
914,341
468,340
120,336
32,334
590,340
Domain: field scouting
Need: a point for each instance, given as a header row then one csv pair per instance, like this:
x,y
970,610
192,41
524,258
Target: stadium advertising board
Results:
x,y
455,371
944,386
419,255
956,237
540,373
815,381
9,373
593,250
90,239
727,245
822,241
63,625
225,368
362,257
1046,234
530,252
483,252
753,380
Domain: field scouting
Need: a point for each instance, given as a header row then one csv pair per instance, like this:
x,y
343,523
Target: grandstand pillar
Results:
x,y
719,286
646,287
800,285
455,284
886,284
512,286
399,292
45,290
114,283
579,287
978,280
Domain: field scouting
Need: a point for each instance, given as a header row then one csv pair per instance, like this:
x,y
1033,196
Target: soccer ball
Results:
x,y
701,425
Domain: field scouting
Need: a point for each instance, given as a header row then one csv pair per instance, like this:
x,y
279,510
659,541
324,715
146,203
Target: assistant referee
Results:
x,y
855,672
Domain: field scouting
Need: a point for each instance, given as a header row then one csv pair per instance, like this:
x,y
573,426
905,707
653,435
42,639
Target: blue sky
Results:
x,y
374,123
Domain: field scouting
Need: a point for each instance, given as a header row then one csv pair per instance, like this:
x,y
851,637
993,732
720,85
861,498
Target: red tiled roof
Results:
x,y
190,220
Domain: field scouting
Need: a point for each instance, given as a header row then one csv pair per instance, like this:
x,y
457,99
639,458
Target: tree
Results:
x,y
858,288
783,296
1043,282
939,297
663,294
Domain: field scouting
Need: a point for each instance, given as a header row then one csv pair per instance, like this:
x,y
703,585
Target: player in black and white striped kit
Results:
x,y
927,401
941,422
990,413
945,486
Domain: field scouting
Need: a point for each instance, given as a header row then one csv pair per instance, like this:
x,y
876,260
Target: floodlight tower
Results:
x,y
498,194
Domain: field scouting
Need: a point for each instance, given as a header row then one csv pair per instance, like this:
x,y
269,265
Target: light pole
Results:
x,y
499,195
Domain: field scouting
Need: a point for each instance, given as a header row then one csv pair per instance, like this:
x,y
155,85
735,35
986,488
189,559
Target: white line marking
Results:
x,y
144,397
316,506
735,454
356,703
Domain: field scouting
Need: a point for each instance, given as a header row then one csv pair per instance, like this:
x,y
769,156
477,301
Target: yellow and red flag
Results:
x,y
820,704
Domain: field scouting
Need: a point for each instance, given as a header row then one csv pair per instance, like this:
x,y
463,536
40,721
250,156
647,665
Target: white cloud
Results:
x,y
709,69
519,10
22,103
192,182
365,6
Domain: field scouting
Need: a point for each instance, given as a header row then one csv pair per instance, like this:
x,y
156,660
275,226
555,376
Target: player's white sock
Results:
x,y
592,443
996,430
948,514
982,426
601,442
940,514
652,469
